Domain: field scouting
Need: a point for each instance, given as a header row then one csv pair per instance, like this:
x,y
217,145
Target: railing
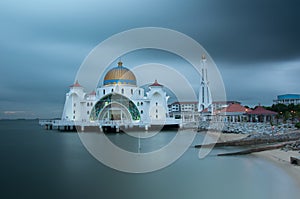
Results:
x,y
115,123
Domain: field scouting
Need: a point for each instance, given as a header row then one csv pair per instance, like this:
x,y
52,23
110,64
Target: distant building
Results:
x,y
260,114
187,111
233,113
288,99
217,105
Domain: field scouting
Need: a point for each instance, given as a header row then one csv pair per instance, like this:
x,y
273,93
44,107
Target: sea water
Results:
x,y
38,163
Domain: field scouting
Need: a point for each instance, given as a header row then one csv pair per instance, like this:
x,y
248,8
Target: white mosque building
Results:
x,y
120,102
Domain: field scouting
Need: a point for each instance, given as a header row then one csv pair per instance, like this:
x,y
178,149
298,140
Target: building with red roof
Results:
x,y
233,113
260,114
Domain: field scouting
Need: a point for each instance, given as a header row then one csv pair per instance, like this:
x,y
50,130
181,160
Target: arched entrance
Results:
x,y
115,112
115,107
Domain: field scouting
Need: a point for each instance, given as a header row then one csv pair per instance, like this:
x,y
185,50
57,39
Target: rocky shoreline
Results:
x,y
246,127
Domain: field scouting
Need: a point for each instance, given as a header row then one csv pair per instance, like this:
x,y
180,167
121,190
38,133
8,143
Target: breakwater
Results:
x,y
245,127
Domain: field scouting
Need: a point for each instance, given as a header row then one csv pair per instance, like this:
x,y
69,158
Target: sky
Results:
x,y
255,45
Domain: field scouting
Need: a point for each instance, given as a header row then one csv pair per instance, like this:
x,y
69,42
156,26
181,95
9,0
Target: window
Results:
x,y
74,111
122,90
156,116
74,117
74,104
141,103
156,111
88,104
138,104
142,111
131,91
112,90
103,91
91,103
88,112
156,103
139,92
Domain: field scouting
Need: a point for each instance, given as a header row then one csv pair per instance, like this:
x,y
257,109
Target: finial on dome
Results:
x,y
155,83
120,63
203,56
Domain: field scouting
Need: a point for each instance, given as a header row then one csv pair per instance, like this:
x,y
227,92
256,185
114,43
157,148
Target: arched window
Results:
x,y
139,92
112,90
156,103
138,104
91,103
142,103
88,112
122,90
88,104
156,111
103,91
131,91
142,111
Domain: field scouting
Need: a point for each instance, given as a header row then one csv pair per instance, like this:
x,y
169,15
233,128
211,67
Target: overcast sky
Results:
x,y
255,44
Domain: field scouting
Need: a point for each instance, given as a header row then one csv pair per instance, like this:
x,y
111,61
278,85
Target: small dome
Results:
x,y
119,75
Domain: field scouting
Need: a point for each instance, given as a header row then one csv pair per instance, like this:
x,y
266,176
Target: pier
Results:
x,y
106,126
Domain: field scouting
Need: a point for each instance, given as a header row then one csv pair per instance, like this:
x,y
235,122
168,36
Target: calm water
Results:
x,y
36,163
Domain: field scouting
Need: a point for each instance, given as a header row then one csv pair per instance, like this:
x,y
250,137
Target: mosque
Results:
x,y
120,102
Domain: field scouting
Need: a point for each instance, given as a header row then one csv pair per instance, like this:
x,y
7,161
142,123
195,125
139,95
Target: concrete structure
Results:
x,y
205,99
187,111
288,99
118,102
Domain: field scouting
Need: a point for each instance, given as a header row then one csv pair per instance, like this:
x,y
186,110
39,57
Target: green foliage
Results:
x,y
297,125
286,112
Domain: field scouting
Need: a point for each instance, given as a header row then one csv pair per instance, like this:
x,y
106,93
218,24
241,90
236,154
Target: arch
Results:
x,y
114,98
115,111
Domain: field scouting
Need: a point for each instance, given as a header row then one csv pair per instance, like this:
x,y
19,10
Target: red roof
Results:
x,y
156,84
261,111
93,93
76,84
236,108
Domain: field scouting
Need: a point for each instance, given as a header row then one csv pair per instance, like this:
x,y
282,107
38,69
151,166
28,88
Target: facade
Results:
x,y
187,111
288,99
118,101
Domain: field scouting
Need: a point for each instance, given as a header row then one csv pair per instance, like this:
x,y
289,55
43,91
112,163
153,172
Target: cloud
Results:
x,y
255,45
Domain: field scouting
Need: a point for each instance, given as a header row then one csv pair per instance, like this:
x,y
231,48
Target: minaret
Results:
x,y
205,100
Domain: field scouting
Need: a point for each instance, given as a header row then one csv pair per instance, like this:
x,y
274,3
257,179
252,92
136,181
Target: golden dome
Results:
x,y
119,75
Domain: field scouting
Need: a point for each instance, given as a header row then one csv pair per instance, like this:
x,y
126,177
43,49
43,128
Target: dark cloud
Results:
x,y
254,43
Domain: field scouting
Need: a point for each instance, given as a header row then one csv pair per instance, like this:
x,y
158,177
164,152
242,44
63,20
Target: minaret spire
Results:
x,y
205,100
